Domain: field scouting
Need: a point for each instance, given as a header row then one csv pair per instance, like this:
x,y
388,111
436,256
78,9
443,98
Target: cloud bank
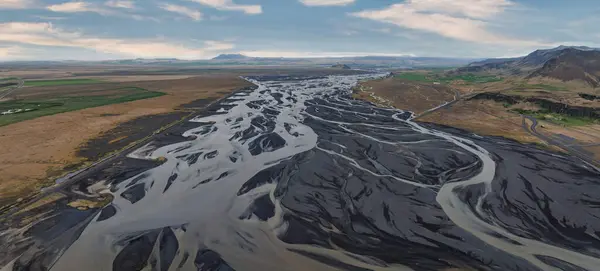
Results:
x,y
326,2
229,5
465,20
45,34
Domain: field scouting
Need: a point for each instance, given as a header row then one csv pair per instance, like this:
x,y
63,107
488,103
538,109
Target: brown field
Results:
x,y
135,78
481,117
484,118
404,94
595,150
48,92
38,150
35,72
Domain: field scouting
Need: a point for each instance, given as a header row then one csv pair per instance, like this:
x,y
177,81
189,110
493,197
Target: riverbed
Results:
x,y
297,175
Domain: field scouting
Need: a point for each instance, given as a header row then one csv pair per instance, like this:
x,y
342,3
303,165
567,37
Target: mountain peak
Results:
x,y
581,48
230,57
341,66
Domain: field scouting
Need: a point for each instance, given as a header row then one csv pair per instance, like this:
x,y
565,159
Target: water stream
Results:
x,y
296,175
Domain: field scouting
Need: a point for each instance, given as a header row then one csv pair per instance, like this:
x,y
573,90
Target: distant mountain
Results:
x,y
359,62
230,57
522,66
581,48
572,64
493,64
540,57
355,62
341,66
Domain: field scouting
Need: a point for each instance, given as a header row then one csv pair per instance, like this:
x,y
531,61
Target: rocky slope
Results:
x,y
563,63
572,64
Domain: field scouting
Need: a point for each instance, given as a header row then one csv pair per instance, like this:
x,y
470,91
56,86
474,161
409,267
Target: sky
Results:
x,y
202,29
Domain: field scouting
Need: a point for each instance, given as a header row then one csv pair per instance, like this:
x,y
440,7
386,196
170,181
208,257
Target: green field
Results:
x,y
8,78
420,77
441,78
556,118
541,86
61,82
37,108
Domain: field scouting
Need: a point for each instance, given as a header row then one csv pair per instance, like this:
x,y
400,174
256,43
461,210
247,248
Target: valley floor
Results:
x,y
39,150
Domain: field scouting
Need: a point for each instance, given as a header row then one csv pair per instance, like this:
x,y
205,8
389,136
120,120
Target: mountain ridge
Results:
x,y
572,64
565,63
230,57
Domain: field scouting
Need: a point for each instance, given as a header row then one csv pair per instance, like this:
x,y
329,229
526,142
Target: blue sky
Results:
x,y
200,29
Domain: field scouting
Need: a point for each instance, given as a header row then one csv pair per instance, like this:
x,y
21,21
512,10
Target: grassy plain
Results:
x,y
26,109
439,77
556,118
405,94
61,82
525,86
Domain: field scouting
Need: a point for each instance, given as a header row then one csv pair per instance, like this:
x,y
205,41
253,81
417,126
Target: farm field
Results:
x,y
35,106
61,82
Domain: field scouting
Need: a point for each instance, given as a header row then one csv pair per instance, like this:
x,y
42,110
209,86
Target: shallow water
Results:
x,y
295,175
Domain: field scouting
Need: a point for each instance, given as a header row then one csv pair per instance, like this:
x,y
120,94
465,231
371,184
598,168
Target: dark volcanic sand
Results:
x,y
295,175
127,133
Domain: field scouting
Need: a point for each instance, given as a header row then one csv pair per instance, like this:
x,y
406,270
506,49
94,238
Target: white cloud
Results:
x,y
465,20
45,34
138,17
16,4
11,52
469,8
80,6
230,5
326,2
298,54
126,4
74,7
188,12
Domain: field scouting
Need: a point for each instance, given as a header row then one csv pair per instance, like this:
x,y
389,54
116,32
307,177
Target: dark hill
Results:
x,y
572,64
341,66
489,65
522,66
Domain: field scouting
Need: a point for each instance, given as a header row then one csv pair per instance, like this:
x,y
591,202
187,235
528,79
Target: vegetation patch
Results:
x,y
556,118
7,84
20,110
442,78
541,86
61,82
419,77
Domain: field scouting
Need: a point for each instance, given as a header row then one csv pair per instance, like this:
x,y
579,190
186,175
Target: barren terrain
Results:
x,y
404,94
484,118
